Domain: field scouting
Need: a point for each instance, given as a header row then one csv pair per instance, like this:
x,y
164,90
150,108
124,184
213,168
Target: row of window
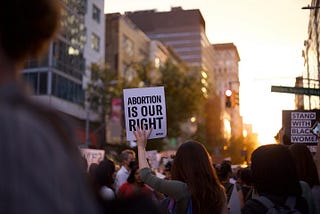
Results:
x,y
61,87
67,89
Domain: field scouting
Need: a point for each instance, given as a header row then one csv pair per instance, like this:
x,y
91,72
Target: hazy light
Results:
x,y
72,51
204,74
204,90
193,119
228,93
204,82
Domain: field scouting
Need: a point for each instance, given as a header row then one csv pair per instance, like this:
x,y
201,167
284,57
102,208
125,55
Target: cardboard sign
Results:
x,y
145,108
92,155
297,126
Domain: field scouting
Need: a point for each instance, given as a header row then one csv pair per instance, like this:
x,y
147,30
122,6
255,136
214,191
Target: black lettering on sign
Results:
x,y
145,123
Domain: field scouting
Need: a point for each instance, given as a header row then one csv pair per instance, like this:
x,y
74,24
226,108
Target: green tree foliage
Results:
x,y
184,98
103,87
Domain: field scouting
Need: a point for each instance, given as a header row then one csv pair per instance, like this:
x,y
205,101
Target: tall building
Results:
x,y
226,71
217,65
184,31
126,45
60,78
311,55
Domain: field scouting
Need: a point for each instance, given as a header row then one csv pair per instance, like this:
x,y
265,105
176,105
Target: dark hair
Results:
x,y
224,170
134,166
93,170
273,171
305,165
104,173
245,175
32,24
192,164
168,166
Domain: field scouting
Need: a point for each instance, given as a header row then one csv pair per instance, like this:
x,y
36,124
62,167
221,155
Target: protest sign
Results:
x,y
92,155
297,126
145,108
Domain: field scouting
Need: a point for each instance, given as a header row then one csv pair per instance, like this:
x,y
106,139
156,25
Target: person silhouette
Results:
x,y
194,184
41,167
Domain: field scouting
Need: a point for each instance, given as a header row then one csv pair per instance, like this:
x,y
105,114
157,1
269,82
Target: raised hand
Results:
x,y
142,136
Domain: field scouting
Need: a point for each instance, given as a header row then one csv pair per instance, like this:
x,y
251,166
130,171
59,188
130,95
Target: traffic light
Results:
x,y
236,100
228,97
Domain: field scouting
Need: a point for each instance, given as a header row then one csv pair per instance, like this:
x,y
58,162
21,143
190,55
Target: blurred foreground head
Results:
x,y
26,28
273,171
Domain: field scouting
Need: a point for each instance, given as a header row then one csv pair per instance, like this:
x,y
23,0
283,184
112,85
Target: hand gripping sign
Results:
x,y
145,108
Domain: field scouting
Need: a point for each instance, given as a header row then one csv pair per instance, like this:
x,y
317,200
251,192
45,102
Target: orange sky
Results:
x,y
269,36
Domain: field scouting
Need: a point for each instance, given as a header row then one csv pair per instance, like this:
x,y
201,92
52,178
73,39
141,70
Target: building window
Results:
x,y
95,42
38,81
67,89
96,13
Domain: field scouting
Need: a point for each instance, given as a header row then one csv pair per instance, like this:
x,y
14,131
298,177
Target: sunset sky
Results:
x,y
269,36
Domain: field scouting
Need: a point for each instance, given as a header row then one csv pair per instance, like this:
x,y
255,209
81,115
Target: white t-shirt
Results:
x,y
107,193
121,177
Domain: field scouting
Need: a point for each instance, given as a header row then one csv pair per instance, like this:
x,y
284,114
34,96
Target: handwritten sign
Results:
x,y
297,126
92,155
145,108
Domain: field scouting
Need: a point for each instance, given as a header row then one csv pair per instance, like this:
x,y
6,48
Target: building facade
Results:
x,y
226,77
60,78
311,55
127,45
184,32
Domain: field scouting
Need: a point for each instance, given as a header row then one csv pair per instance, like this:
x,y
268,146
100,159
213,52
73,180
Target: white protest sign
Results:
x,y
92,155
145,108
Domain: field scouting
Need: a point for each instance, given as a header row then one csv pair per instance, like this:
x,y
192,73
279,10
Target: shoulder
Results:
x,y
107,193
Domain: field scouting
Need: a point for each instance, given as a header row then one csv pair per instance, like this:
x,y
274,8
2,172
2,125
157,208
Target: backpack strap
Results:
x,y
190,207
171,206
265,201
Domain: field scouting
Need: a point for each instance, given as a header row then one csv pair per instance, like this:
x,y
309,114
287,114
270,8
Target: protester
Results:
x,y
307,172
126,157
244,179
134,185
167,170
194,183
274,179
233,190
39,160
102,178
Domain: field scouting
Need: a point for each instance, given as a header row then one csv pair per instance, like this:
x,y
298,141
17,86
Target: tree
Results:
x,y
184,98
103,87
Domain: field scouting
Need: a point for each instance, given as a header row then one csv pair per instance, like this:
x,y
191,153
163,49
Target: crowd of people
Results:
x,y
43,171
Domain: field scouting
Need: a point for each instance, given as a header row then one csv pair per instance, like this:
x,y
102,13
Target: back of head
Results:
x,y
224,170
273,171
134,166
26,27
245,175
305,164
104,173
192,164
125,155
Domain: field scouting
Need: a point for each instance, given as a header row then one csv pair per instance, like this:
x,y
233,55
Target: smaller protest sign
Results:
x,y
92,155
145,108
297,126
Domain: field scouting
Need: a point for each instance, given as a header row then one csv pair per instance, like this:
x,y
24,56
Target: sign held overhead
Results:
x,y
145,108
